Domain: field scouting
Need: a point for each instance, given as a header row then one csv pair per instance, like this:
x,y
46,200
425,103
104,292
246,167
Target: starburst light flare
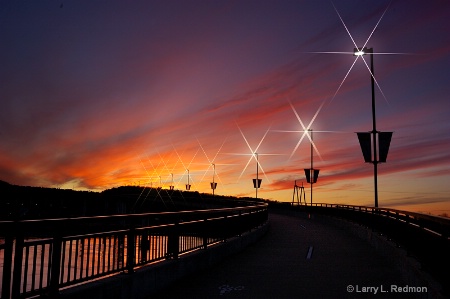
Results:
x,y
150,178
212,162
185,167
359,53
253,152
305,130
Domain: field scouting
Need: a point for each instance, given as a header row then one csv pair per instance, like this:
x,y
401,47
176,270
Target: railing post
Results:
x,y
55,269
173,243
145,245
7,267
224,235
17,272
131,252
205,237
240,221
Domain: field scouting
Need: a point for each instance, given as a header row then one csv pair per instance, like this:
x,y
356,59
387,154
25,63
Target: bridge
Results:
x,y
248,251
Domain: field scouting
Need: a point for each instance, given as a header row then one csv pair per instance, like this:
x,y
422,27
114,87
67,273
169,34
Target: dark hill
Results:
x,y
4,184
25,202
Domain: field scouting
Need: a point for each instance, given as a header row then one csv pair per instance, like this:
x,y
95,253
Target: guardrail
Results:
x,y
439,226
425,237
42,256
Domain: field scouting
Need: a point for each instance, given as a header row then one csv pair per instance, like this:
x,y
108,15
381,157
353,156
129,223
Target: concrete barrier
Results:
x,y
153,278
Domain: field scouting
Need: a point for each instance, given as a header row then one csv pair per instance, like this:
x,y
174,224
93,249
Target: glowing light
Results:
x,y
253,153
343,80
158,174
306,130
375,79
359,52
186,167
211,162
376,25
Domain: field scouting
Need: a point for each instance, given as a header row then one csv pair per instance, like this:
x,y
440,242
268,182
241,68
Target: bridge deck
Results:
x,y
298,258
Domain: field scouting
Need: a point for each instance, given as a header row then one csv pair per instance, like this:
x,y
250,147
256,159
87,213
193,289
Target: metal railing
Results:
x,y
439,226
42,256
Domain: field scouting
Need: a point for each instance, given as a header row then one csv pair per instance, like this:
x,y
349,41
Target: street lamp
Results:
x,y
172,187
311,174
188,186
257,181
384,138
213,184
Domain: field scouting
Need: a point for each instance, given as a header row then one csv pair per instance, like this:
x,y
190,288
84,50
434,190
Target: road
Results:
x,y
300,257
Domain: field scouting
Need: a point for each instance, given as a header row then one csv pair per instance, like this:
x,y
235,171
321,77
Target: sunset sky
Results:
x,y
98,94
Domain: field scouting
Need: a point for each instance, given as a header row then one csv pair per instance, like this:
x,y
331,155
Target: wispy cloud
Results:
x,y
131,90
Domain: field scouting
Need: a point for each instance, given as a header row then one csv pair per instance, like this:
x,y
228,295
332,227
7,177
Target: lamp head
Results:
x,y
361,52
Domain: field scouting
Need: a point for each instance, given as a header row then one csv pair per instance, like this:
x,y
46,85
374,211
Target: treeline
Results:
x,y
26,202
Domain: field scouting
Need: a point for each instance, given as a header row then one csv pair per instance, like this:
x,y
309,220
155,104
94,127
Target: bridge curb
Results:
x,y
151,279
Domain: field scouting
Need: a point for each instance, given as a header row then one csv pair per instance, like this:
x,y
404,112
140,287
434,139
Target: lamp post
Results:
x,y
257,181
188,186
172,186
213,184
311,174
371,155
360,52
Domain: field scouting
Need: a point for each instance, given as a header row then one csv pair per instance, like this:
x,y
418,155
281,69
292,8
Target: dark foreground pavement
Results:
x,y
298,258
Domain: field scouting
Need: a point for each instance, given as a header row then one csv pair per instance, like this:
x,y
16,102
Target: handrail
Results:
x,y
433,224
69,251
97,223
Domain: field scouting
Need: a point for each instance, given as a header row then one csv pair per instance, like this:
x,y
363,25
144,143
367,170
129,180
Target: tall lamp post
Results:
x,y
384,138
188,186
257,181
213,184
172,187
311,174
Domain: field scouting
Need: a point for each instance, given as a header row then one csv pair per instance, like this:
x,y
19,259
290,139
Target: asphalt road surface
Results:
x,y
300,257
